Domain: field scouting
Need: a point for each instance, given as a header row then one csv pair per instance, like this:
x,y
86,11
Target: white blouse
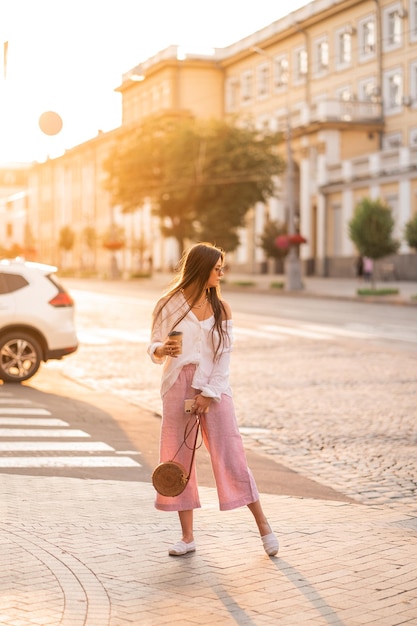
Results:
x,y
198,347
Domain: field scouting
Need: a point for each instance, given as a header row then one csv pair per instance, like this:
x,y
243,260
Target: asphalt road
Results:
x,y
325,407
107,420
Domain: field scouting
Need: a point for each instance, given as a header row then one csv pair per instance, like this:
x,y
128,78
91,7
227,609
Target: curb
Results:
x,y
399,301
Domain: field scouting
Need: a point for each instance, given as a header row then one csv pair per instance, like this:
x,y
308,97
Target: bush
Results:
x,y
244,283
410,232
377,292
371,228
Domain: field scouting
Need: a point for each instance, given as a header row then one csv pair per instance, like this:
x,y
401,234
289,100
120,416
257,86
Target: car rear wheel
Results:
x,y
20,357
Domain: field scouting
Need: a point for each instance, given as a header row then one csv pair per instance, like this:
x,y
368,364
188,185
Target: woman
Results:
x,y
200,371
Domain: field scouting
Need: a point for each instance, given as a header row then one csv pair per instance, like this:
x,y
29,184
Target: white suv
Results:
x,y
36,319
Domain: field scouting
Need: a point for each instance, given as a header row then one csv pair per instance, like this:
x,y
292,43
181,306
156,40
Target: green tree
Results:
x,y
267,240
89,237
371,228
410,232
66,238
201,176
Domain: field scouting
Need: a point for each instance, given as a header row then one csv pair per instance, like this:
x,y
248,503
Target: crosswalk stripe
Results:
x,y
54,446
41,432
298,332
11,400
50,428
259,334
111,335
22,411
344,332
66,461
31,421
277,332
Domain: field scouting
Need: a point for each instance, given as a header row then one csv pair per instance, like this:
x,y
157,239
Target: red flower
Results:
x,y
113,245
297,239
282,242
285,241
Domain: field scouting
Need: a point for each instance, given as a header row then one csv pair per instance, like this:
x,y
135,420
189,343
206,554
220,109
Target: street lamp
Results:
x,y
292,263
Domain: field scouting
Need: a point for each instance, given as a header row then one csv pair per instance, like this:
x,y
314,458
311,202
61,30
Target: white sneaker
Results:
x,y
181,548
270,543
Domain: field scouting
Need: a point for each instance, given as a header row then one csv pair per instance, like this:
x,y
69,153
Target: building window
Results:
x,y
165,95
413,84
367,38
393,91
232,94
343,48
144,105
322,56
345,94
247,87
281,72
301,64
263,124
413,20
338,228
262,75
391,141
155,98
281,120
393,202
392,21
413,137
367,90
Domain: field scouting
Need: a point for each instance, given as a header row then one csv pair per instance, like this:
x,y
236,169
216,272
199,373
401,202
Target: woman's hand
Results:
x,y
169,348
201,404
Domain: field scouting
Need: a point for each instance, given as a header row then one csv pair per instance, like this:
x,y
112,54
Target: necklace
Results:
x,y
198,306
195,306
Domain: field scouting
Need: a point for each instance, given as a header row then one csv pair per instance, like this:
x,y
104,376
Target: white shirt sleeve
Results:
x,y
216,382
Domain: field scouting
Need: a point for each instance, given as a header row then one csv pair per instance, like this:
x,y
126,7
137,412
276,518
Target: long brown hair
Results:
x,y
194,270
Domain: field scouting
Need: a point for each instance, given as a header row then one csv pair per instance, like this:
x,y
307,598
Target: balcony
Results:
x,y
388,163
337,114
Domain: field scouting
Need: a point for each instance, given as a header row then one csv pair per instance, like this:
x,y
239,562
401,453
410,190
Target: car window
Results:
x,y
11,282
54,279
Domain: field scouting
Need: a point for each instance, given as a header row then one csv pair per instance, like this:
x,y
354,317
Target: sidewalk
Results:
x,y
94,553
83,552
313,286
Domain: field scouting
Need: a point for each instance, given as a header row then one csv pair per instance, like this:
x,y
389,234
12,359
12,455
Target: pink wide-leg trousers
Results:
x,y
234,481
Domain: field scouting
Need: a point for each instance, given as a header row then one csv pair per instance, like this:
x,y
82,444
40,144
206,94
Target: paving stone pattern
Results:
x,y
94,553
343,412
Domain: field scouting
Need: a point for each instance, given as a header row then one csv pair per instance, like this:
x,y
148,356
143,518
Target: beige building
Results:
x,y
338,77
15,237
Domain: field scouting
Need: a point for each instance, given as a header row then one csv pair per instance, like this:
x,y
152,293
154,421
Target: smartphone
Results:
x,y
188,404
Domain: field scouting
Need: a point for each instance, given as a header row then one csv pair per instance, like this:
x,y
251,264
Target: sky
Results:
x,y
68,56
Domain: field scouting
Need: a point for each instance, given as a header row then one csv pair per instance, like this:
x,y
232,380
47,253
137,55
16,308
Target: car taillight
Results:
x,y
62,299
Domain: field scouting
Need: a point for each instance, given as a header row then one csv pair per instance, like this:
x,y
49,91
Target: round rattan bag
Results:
x,y
170,478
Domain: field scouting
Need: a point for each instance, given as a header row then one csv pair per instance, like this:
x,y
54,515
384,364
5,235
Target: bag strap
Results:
x,y
195,425
197,421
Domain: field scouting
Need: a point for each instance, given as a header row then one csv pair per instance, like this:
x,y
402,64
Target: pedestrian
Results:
x,y
368,268
200,371
359,266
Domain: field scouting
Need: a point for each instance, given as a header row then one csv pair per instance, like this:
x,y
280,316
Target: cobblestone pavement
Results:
x,y
94,553
342,412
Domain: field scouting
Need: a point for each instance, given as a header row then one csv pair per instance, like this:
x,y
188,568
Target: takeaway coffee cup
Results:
x,y
177,336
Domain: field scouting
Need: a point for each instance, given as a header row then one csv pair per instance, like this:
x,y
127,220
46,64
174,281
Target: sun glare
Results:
x,y
69,56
